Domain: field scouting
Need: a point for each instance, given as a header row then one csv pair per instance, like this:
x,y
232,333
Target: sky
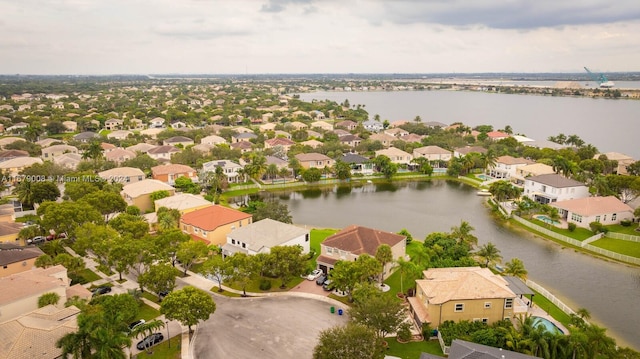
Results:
x,y
317,36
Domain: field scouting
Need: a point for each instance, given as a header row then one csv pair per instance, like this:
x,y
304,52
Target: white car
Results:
x,y
314,275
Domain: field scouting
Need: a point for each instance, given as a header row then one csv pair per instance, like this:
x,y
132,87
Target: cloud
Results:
x,y
281,5
510,14
199,29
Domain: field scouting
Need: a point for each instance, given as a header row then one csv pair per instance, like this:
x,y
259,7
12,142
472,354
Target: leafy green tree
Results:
x,y
188,305
186,185
189,252
65,217
275,210
159,278
94,151
130,226
352,341
76,190
44,261
462,234
166,243
423,165
385,166
342,170
312,175
168,219
44,191
50,298
287,262
73,264
218,268
380,312
143,162
244,270
106,202
503,190
159,195
121,255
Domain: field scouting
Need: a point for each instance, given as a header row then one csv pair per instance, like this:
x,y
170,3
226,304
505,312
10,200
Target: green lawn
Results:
x,y
412,350
150,296
631,230
579,234
619,246
147,313
84,276
551,308
394,282
254,285
317,237
162,350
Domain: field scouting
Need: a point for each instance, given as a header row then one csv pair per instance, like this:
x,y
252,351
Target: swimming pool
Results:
x,y
548,326
484,177
546,219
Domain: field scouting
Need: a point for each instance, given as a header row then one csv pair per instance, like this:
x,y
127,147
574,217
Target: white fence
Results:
x,y
552,298
624,237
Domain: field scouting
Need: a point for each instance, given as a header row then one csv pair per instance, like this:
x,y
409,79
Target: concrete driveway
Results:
x,y
269,327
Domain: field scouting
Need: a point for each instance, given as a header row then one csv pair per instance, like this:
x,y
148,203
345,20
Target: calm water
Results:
x,y
610,125
608,290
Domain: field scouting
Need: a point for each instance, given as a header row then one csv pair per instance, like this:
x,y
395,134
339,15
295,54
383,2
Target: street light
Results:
x,y
168,335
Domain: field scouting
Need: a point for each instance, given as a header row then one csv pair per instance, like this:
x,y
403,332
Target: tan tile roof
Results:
x,y
592,206
508,160
121,171
8,228
182,201
163,149
146,186
435,150
441,285
267,233
29,283
210,218
359,240
20,162
170,169
555,180
305,157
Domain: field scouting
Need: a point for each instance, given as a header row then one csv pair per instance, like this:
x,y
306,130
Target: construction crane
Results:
x,y
601,79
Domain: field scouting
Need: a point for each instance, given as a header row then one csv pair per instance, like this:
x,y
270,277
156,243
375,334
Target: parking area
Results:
x,y
310,286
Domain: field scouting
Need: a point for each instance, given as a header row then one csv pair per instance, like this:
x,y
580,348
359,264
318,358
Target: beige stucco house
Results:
x,y
139,193
261,236
123,175
48,153
314,160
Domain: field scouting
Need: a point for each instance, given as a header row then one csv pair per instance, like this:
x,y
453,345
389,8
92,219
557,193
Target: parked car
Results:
x,y
36,240
136,324
327,286
315,274
321,279
163,294
56,236
102,290
150,341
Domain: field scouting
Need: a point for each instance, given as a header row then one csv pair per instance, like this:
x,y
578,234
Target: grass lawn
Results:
x,y
579,234
394,282
254,285
226,293
150,296
412,350
147,313
317,237
162,350
84,276
551,308
631,230
619,246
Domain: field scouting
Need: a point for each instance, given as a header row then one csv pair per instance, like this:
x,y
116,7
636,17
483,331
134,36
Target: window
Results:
x,y
576,217
329,250
597,218
244,245
487,305
204,233
233,241
604,219
614,216
485,320
306,237
459,307
508,303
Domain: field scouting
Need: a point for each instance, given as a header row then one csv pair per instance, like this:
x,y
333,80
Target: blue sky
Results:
x,y
317,36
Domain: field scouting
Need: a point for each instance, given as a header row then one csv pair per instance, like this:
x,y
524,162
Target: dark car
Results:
x,y
150,341
321,279
101,290
163,294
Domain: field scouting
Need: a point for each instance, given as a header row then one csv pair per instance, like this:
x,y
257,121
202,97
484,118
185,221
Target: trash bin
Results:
x,y
339,311
333,310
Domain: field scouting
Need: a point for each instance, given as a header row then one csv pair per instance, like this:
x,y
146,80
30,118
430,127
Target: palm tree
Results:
x,y
599,345
384,256
490,253
94,151
271,171
147,329
515,267
75,345
25,193
462,233
406,268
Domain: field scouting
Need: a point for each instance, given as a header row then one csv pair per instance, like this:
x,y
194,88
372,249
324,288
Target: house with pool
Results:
x,y
467,293
582,211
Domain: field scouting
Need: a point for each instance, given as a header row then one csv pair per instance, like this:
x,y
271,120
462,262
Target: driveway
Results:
x,y
269,327
310,286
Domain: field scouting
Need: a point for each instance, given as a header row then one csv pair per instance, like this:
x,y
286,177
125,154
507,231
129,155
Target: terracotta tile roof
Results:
x,y
210,218
327,260
592,206
171,169
359,240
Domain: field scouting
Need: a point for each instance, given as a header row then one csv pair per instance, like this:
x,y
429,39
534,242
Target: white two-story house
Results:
x,y
553,187
229,168
261,236
506,166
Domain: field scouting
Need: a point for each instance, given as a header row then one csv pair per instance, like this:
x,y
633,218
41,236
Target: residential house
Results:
x,y
141,147
385,140
279,162
353,241
162,153
68,160
463,151
152,132
48,142
120,134
9,232
229,168
50,152
271,126
434,124
15,258
119,155
11,154
136,124
18,127
314,134
312,143
202,148
113,124
279,142
178,125
326,126
347,125
71,126
261,236
351,140
170,172
213,140
373,126
14,166
122,175
534,169
396,155
461,349
34,334
314,160
396,132
156,122
106,147
213,224
434,154
86,136
9,140
553,187
139,193
582,211
412,138
359,164
497,135
505,166
242,146
623,161
297,125
463,293
340,132
243,137
6,213
178,141
183,203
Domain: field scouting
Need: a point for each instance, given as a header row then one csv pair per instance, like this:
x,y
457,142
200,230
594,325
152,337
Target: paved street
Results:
x,y
279,327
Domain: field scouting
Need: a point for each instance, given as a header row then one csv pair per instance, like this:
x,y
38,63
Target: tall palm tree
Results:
x,y
599,345
407,269
147,329
25,193
75,345
271,171
490,253
462,234
515,267
94,151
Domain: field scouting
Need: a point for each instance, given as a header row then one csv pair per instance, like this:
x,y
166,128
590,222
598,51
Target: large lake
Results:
x,y
610,125
608,290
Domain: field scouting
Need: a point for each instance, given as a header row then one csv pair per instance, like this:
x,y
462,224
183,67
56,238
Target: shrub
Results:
x,y
571,226
265,284
625,223
404,332
597,227
427,332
